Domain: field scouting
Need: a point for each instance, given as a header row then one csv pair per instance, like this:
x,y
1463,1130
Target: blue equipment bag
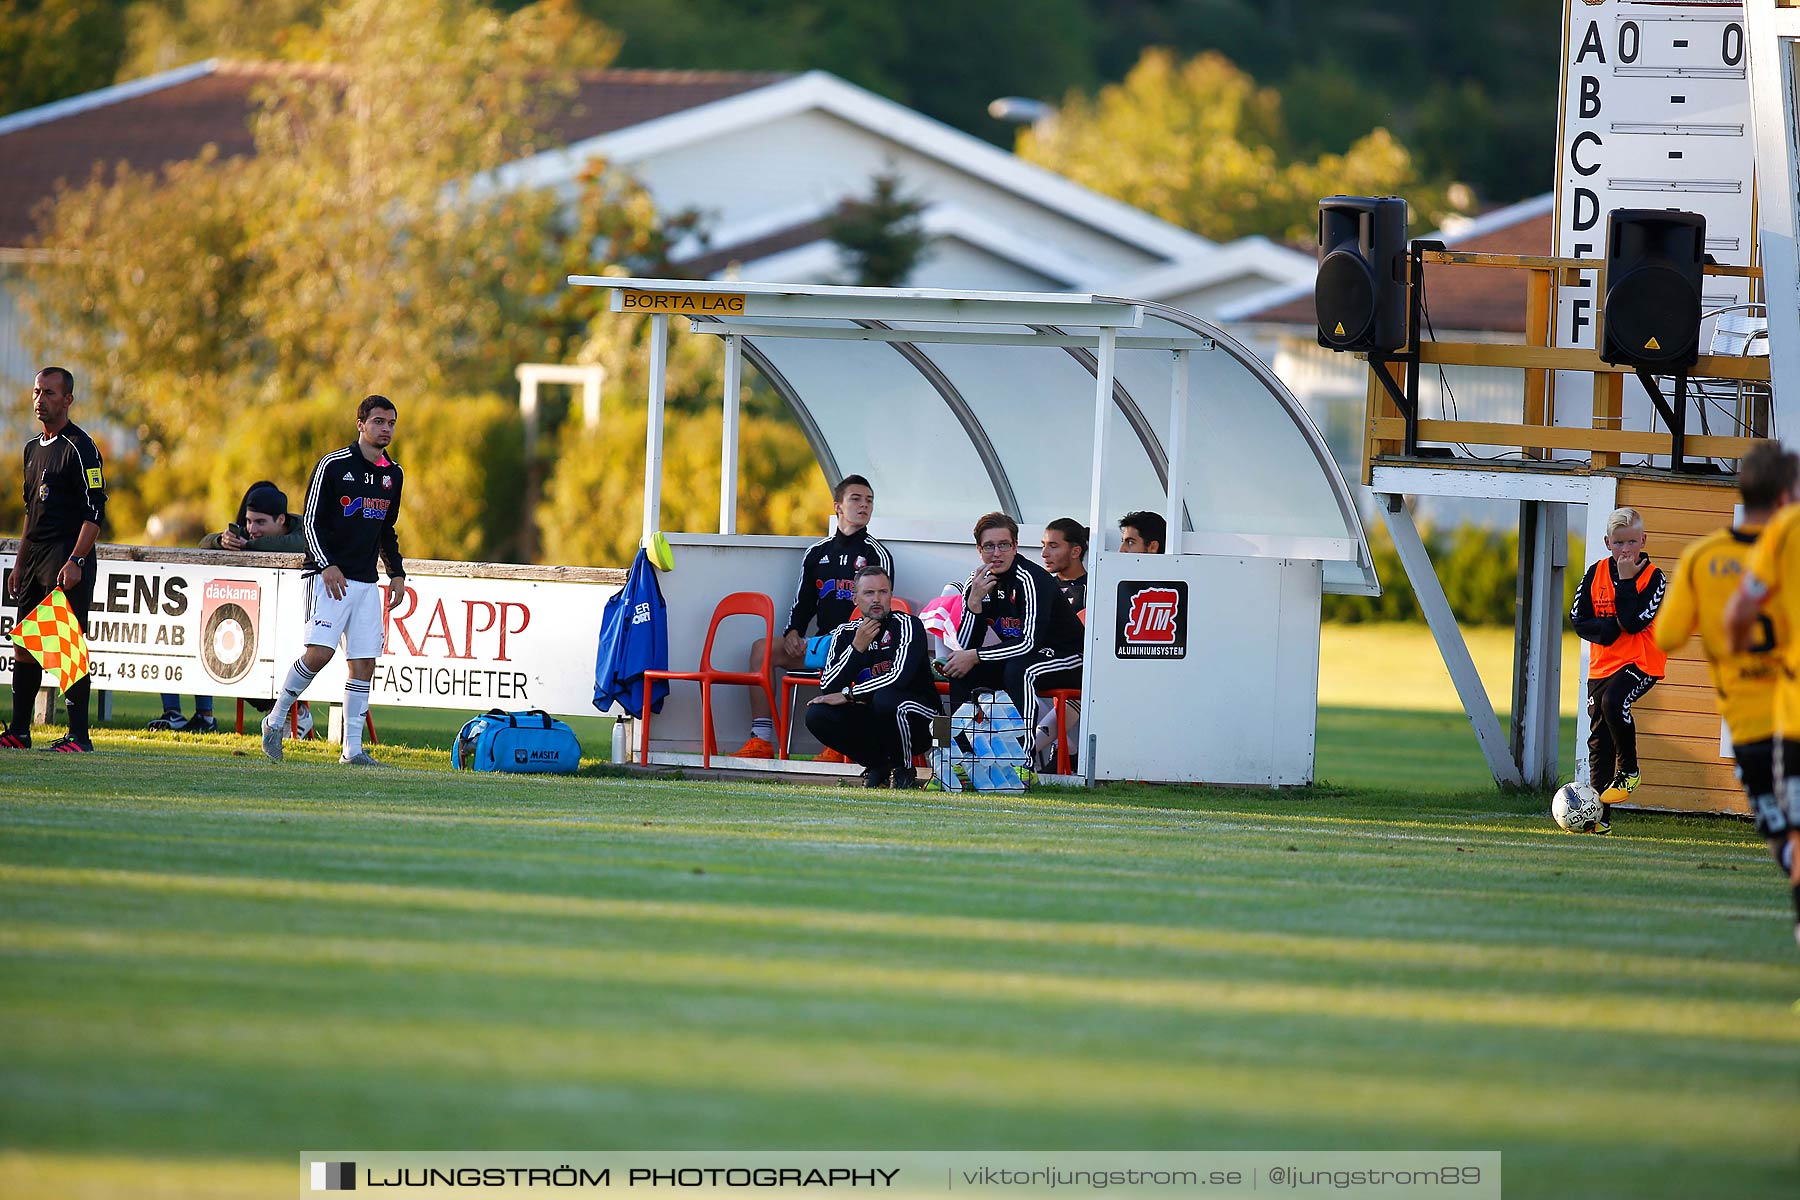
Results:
x,y
531,742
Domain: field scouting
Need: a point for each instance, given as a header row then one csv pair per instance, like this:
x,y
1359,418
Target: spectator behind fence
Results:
x,y
1142,532
827,594
1039,636
876,698
1065,556
263,526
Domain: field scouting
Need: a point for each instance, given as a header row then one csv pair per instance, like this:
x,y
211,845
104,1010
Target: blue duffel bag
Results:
x,y
531,742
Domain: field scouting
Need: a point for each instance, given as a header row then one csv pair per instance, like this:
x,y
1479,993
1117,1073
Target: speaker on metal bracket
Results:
x,y
1651,314
1360,293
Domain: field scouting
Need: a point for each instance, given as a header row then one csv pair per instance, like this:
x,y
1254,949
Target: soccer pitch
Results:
x,y
209,963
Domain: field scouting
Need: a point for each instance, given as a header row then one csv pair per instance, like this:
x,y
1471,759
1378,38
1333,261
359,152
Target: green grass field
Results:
x,y
209,963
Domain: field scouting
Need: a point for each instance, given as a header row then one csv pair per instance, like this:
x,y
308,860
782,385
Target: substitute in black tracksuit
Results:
x,y
876,695
65,504
1040,637
827,594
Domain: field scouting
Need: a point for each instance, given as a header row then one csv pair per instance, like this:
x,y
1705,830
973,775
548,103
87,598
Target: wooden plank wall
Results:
x,y
1678,723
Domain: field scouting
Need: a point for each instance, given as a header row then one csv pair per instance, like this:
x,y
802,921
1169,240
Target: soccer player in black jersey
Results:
x,y
1040,637
65,503
827,594
352,505
1065,556
876,695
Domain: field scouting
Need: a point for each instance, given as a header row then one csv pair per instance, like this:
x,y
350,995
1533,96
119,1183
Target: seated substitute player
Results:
x,y
1615,612
827,593
65,505
1142,532
876,697
1040,637
1709,575
351,506
1065,556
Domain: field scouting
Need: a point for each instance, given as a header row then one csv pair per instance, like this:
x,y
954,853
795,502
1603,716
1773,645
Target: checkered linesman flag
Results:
x,y
51,634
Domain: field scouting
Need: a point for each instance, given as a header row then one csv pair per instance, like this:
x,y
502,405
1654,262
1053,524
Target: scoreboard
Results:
x,y
1655,113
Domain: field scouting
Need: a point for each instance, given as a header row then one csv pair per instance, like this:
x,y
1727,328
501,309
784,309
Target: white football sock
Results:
x,y
298,677
356,711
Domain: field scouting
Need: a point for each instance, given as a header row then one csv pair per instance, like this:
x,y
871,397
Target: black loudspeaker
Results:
x,y
1651,316
1360,293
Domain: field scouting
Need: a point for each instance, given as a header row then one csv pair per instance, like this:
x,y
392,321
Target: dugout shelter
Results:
x,y
1201,663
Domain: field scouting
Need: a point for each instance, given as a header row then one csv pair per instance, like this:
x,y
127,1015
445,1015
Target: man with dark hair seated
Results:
x,y
1065,556
1039,636
876,698
1142,532
826,594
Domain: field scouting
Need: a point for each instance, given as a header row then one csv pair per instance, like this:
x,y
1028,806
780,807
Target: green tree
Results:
x,y
879,237
357,251
1201,145
50,49
162,34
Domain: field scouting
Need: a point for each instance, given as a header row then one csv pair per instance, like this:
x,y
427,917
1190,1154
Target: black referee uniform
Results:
x,y
1041,638
65,489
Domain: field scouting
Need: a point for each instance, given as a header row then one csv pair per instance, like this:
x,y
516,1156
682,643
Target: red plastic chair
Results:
x,y
792,683
1062,698
738,604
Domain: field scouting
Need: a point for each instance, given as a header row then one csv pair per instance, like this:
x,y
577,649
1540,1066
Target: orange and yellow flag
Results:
x,y
51,634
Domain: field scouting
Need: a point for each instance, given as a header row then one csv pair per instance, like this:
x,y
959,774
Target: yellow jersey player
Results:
x,y
1729,584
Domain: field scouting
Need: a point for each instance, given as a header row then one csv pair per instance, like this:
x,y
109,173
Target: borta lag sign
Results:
x,y
1152,619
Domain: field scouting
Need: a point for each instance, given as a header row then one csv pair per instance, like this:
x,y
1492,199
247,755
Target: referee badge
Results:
x,y
93,477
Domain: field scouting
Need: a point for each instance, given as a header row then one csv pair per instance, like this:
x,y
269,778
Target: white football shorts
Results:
x,y
355,620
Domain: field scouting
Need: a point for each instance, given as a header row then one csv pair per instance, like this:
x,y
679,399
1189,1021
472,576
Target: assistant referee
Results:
x,y
65,502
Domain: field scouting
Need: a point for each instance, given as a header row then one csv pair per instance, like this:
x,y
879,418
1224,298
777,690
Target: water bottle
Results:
x,y
961,724
943,765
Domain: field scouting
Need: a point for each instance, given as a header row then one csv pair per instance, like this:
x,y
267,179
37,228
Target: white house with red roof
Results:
x,y
765,157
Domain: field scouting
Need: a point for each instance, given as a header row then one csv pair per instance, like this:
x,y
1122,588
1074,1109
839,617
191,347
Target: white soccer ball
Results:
x,y
1576,807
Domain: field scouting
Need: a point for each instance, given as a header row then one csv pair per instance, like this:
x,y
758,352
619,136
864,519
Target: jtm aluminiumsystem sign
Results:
x,y
1152,619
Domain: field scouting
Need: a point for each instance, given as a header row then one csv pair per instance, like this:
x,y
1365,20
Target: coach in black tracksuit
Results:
x,y
1041,638
876,695
65,503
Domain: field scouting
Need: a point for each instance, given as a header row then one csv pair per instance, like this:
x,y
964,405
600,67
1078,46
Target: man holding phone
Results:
x,y
263,526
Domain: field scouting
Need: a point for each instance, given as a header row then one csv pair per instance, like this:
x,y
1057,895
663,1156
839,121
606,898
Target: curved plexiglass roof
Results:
x,y
945,429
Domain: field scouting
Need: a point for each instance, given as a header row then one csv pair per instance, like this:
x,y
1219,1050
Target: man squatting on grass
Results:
x,y
827,593
352,504
876,695
65,502
1615,609
1745,679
